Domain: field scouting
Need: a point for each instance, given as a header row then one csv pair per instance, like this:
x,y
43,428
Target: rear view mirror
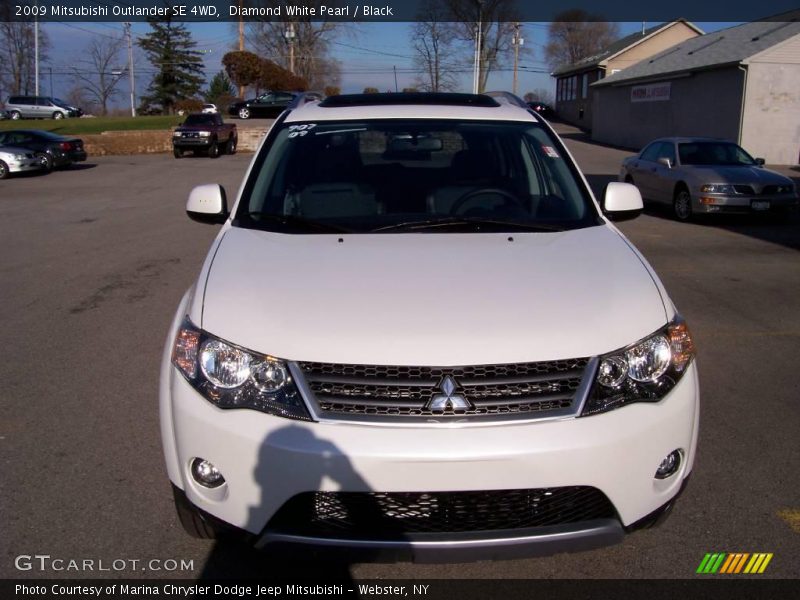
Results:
x,y
207,204
760,162
622,201
665,161
416,144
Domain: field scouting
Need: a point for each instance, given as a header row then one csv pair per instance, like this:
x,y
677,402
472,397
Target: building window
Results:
x,y
585,90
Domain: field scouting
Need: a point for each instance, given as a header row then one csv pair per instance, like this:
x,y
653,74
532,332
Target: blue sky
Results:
x,y
367,51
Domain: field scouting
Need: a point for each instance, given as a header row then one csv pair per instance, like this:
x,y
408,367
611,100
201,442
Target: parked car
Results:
x,y
268,104
53,150
209,108
35,107
17,160
74,111
543,109
206,133
707,176
391,345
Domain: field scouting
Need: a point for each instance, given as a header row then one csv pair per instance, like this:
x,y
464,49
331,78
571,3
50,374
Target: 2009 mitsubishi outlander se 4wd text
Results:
x,y
418,333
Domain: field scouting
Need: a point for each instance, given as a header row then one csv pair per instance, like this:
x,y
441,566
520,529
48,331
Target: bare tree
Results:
x,y
95,74
576,35
17,69
302,41
495,19
432,41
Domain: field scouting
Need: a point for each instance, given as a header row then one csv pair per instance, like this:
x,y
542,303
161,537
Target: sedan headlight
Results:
x,y
718,188
232,377
643,372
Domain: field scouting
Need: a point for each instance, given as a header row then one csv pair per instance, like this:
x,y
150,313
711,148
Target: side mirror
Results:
x,y
665,161
207,204
760,162
622,201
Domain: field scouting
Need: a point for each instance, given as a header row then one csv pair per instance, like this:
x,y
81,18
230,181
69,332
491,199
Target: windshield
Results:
x,y
425,175
199,119
713,153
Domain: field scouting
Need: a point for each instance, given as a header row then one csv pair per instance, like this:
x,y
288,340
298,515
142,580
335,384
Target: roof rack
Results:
x,y
305,98
395,98
508,98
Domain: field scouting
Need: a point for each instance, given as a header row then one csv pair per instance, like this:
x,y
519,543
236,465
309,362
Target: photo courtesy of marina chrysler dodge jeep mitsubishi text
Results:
x,y
417,333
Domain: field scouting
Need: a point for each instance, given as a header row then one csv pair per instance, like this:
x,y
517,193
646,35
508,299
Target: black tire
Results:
x,y
213,150
244,113
191,518
46,160
15,115
177,152
3,170
682,204
230,147
58,115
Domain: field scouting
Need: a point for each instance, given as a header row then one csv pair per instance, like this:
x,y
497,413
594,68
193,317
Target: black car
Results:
x,y
268,104
52,149
543,109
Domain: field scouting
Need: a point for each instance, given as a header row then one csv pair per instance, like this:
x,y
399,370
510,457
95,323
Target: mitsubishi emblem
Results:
x,y
448,400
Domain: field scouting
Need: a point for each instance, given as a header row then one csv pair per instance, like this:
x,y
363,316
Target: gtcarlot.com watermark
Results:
x,y
47,563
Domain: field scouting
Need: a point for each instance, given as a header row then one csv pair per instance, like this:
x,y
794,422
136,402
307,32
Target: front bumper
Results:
x,y
713,204
24,166
268,460
189,143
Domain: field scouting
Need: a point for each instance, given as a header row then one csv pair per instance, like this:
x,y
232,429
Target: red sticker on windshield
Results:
x,y
550,151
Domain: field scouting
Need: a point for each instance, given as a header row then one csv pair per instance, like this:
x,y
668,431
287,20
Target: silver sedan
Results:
x,y
706,176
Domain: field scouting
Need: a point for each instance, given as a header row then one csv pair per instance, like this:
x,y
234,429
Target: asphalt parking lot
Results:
x,y
95,259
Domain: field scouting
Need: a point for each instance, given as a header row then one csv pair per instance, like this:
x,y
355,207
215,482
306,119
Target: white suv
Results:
x,y
417,332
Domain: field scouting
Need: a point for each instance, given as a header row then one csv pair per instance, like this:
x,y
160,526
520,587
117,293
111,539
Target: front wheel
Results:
x,y
3,170
213,150
46,161
682,205
178,153
244,113
58,115
191,518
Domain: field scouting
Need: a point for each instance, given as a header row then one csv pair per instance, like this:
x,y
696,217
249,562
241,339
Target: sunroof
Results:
x,y
391,98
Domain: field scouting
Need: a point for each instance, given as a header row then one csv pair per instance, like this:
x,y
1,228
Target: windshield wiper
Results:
x,y
293,220
464,221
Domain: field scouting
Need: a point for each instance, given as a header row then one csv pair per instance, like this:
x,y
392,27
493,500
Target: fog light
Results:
x,y
206,474
669,466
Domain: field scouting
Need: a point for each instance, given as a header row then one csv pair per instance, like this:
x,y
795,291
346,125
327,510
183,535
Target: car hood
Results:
x,y
738,175
430,299
15,150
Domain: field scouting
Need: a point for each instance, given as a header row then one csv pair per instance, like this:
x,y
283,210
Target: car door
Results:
x,y
27,107
642,169
662,177
264,103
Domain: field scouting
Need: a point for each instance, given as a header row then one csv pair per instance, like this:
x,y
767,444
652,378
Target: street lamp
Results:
x,y
290,36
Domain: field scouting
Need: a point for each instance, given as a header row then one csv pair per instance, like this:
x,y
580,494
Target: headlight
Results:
x,y
718,188
643,372
176,134
204,133
232,377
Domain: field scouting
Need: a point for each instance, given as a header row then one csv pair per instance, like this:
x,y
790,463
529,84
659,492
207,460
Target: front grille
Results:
x,y
744,189
385,515
517,389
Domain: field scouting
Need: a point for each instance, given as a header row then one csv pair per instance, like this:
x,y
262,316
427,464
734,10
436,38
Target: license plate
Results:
x,y
759,205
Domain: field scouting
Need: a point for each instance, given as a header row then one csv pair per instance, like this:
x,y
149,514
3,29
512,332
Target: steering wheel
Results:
x,y
464,198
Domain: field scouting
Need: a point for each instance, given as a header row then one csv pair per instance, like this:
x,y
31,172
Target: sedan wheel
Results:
x,y
682,205
3,170
46,161
244,113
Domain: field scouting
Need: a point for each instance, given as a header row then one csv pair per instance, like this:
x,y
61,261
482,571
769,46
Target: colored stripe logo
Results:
x,y
734,563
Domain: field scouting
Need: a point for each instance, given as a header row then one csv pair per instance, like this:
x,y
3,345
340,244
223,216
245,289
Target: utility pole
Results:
x,y
241,43
477,69
394,67
51,81
516,41
130,69
36,51
289,34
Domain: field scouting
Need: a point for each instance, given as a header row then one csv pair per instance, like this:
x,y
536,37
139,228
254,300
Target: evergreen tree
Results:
x,y
220,87
170,49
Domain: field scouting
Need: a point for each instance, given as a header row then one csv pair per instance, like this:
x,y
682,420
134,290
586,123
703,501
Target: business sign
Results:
x,y
653,92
